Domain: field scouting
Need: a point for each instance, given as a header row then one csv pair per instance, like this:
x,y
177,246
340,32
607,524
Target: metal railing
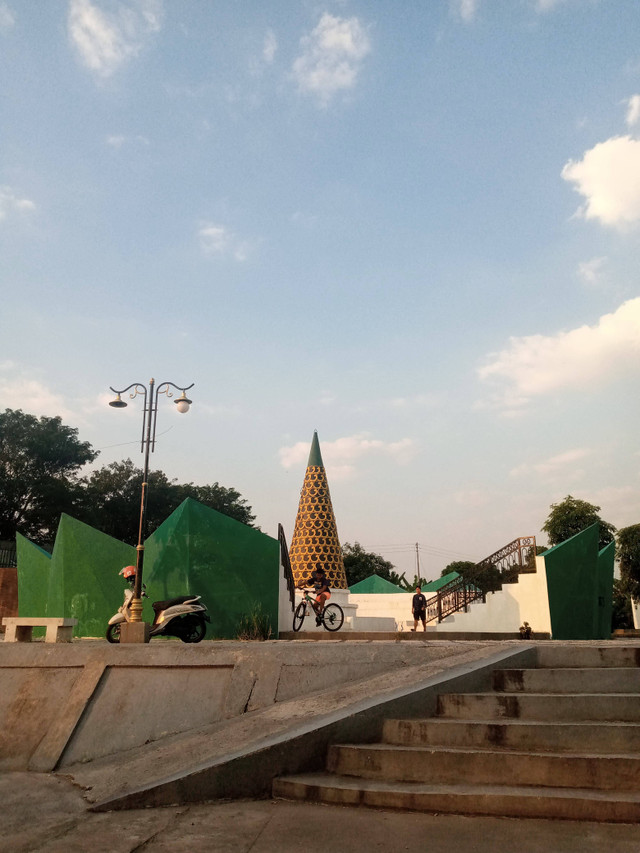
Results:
x,y
8,559
503,566
286,564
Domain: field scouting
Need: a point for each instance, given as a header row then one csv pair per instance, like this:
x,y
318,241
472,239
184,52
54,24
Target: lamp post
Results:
x,y
147,445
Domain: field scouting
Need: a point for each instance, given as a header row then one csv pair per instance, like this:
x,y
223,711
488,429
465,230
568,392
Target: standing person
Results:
x,y
318,581
419,609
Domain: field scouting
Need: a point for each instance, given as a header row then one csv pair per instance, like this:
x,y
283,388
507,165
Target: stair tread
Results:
x,y
330,780
392,747
511,721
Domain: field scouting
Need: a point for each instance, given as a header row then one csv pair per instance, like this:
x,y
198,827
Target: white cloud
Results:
x,y
535,365
466,9
555,465
118,140
340,456
219,240
633,110
19,390
591,271
107,39
7,18
331,57
11,203
608,176
270,46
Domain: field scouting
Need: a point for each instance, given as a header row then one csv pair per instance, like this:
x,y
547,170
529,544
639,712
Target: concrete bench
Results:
x,y
18,629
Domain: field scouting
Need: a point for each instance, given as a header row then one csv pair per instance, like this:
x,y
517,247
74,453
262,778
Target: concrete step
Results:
x,y
524,801
446,766
576,680
576,655
515,734
603,707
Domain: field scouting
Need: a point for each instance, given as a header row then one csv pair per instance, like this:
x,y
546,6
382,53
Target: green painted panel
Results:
x,y
233,567
34,566
84,580
606,559
572,585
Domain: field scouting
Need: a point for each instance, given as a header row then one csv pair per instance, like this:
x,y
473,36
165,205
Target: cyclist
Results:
x,y
318,581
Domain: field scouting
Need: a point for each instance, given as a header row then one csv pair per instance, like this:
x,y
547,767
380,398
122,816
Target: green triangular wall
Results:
x,y
232,566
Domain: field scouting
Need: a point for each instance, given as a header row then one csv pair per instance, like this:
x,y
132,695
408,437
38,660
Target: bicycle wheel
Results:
x,y
332,617
298,616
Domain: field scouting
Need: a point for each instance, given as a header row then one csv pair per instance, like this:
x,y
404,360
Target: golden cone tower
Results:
x,y
315,542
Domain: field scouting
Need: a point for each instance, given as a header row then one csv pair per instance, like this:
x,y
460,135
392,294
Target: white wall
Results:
x,y
505,611
391,611
635,609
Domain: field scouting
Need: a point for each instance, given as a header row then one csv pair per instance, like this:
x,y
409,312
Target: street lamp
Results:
x,y
147,445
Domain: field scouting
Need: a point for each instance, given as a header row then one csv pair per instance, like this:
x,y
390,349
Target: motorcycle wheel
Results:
x,y
192,630
113,633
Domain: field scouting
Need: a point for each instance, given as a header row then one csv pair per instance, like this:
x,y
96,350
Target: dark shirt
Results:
x,y
419,602
318,581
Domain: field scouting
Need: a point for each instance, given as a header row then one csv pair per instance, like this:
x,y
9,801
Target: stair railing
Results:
x,y
286,565
488,575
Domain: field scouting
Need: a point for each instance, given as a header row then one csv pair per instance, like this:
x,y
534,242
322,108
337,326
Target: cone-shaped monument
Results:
x,y
315,540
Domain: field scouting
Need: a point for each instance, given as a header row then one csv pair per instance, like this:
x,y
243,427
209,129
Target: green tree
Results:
x,y
111,500
621,615
360,564
462,567
39,463
628,555
572,515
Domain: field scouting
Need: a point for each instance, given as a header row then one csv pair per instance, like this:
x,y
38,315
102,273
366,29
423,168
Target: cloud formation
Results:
x,y
562,464
633,111
591,271
331,57
7,18
11,203
608,176
535,365
105,40
218,240
21,391
340,456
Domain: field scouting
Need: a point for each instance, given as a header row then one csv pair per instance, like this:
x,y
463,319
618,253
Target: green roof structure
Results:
x,y
375,585
438,583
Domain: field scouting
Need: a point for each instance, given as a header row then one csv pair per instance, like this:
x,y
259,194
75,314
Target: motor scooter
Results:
x,y
183,617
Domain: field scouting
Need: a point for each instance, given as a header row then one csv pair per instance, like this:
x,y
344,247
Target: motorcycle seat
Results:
x,y
170,602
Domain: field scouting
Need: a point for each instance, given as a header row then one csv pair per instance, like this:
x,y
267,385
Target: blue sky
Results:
x,y
413,227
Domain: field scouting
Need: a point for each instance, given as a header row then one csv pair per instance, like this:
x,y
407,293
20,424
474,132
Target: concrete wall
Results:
x,y
503,613
635,609
506,610
62,704
391,612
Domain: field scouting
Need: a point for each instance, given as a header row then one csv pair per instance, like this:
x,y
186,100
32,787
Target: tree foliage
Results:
x,y
111,500
572,515
360,564
39,463
628,554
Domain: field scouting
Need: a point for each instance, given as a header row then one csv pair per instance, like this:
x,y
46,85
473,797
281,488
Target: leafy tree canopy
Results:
x,y
628,554
39,462
572,515
360,564
462,567
111,500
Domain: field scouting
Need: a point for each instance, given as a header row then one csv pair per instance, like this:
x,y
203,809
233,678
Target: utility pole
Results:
x,y
418,561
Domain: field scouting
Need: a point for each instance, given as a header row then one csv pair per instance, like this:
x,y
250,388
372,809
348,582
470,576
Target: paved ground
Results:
x,y
46,814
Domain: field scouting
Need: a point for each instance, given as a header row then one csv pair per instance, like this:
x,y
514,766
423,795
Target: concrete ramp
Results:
x,y
168,723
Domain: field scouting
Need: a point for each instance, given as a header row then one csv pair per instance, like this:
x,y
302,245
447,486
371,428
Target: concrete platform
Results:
x,y
43,813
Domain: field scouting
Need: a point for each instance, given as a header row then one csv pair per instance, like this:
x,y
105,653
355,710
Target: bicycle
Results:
x,y
332,616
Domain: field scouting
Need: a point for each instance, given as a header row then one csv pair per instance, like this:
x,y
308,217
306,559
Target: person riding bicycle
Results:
x,y
318,581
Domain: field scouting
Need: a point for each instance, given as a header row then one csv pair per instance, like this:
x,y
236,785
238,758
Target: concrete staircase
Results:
x,y
558,741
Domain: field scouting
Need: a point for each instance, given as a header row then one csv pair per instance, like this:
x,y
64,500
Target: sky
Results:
x,y
413,227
